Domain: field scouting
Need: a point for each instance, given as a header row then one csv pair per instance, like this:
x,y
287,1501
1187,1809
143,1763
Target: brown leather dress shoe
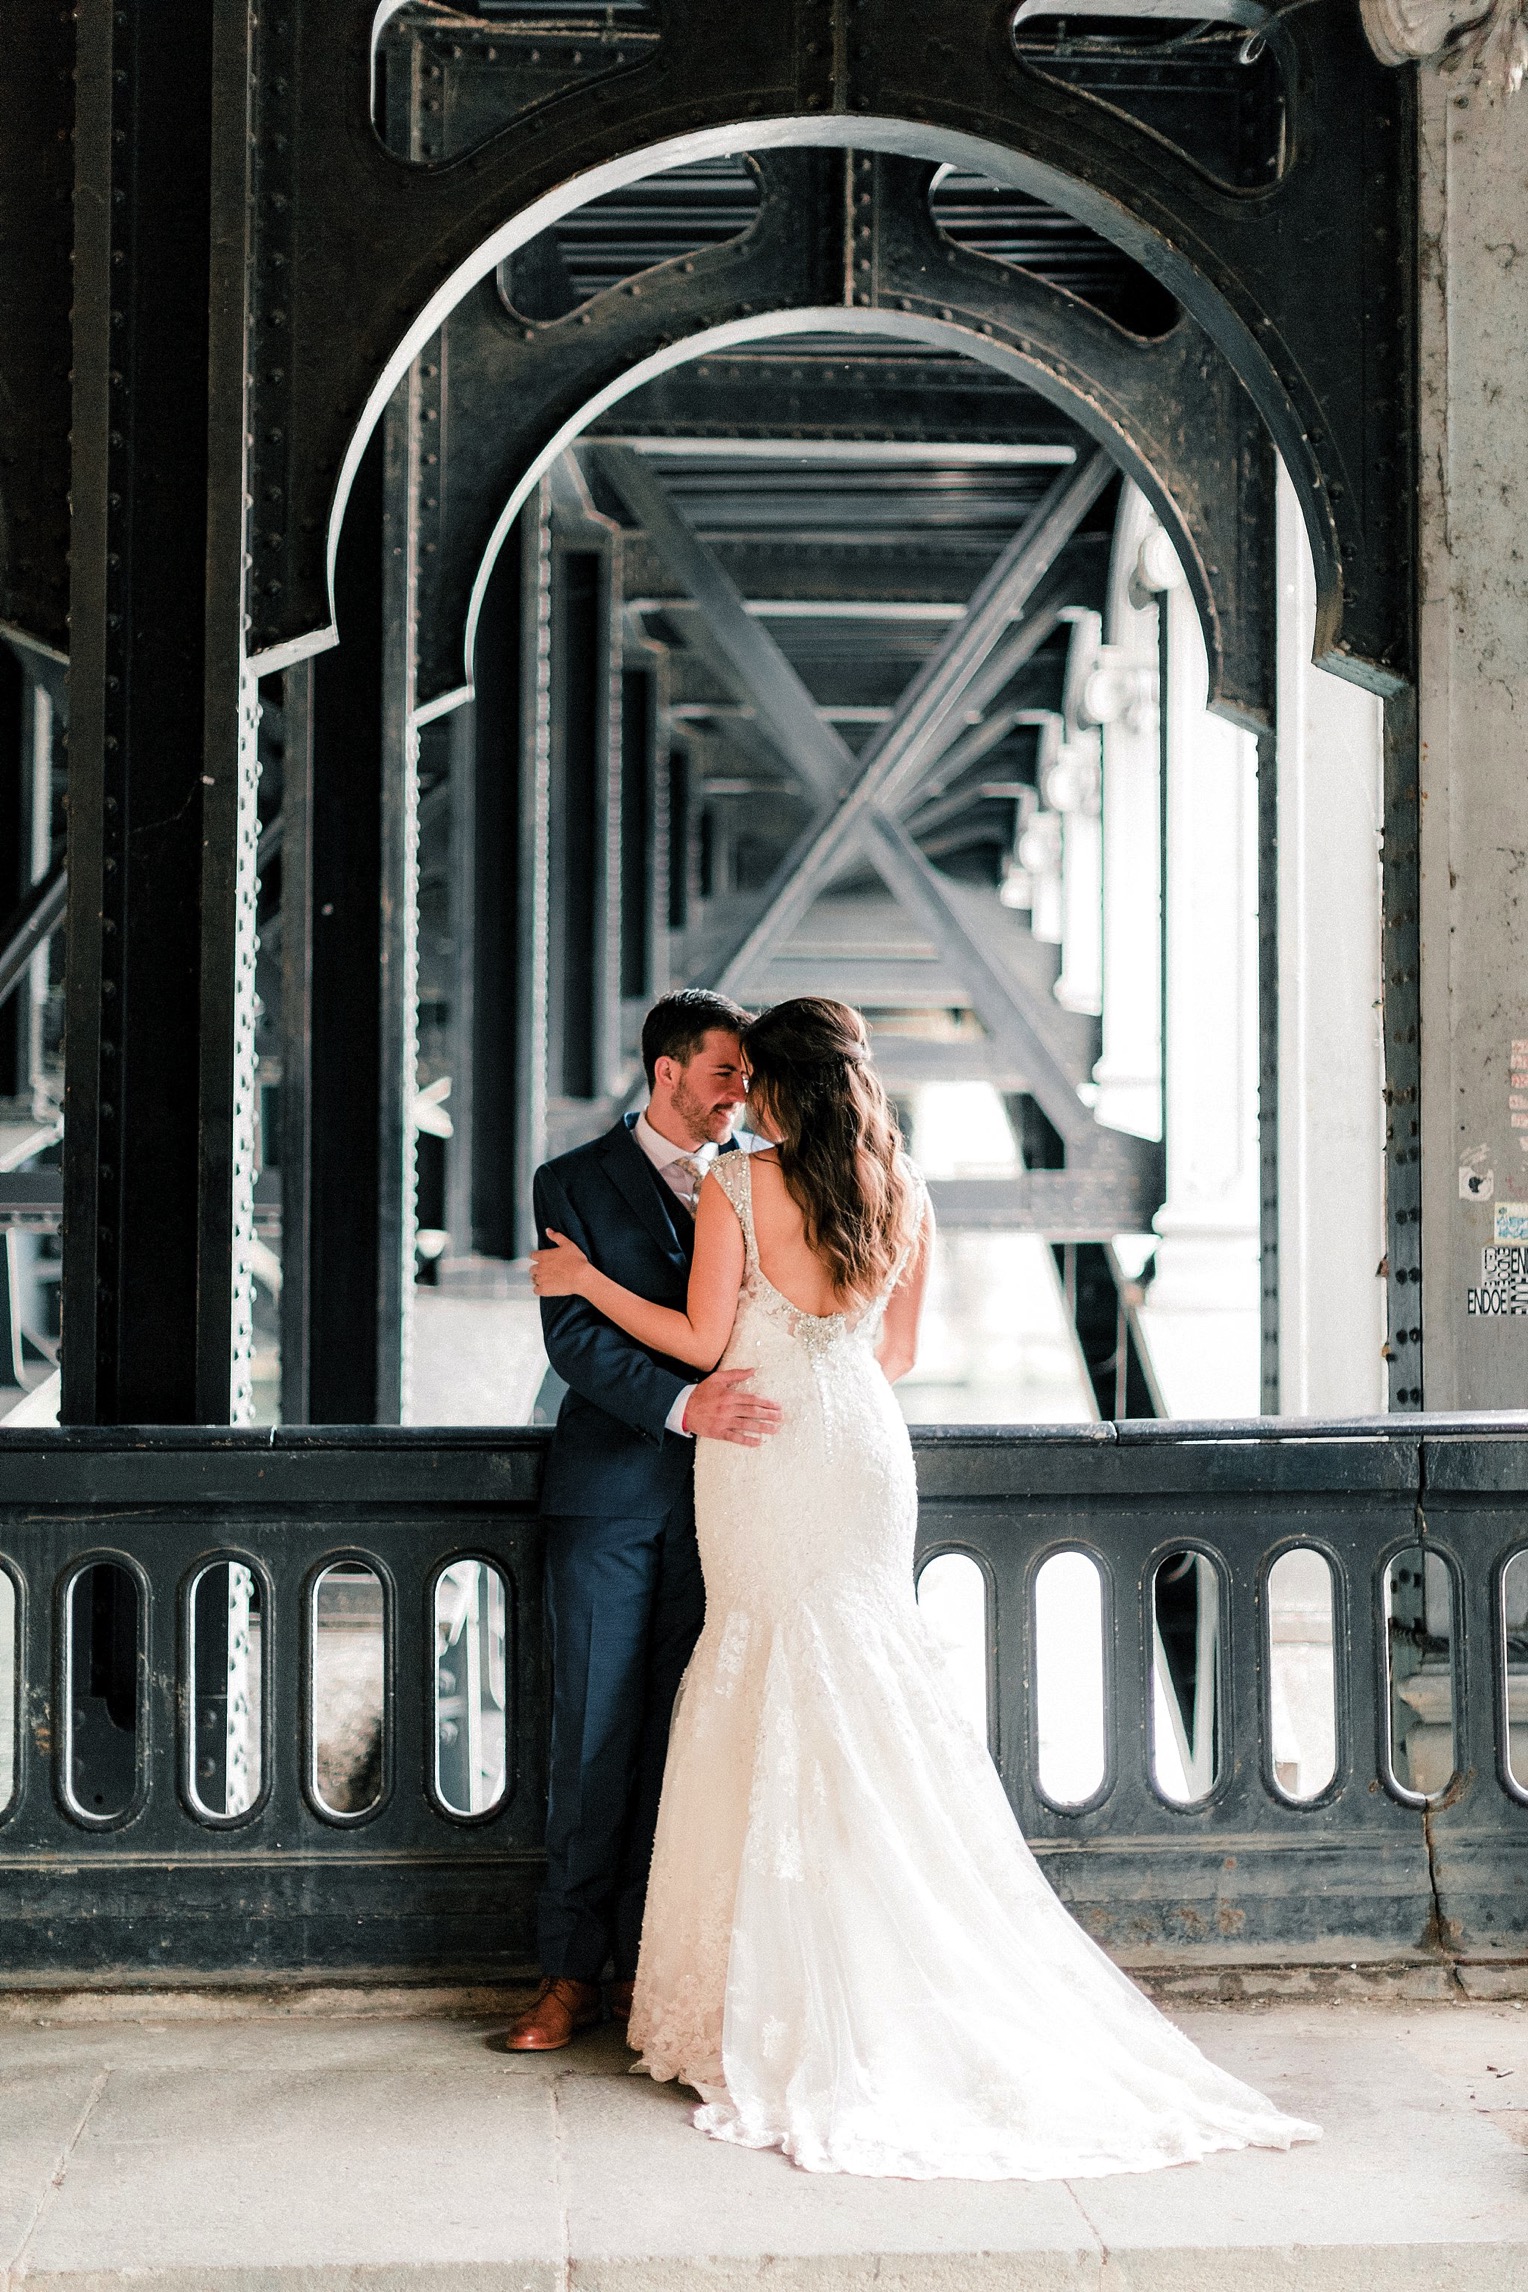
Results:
x,y
620,2000
562,2007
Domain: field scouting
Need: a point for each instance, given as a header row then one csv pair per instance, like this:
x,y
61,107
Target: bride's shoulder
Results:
x,y
732,1176
917,1188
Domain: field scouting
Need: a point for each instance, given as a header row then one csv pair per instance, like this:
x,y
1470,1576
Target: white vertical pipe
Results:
x,y
1201,1320
1331,1156
1124,697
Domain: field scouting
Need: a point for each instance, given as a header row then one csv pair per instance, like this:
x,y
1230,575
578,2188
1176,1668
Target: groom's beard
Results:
x,y
707,1123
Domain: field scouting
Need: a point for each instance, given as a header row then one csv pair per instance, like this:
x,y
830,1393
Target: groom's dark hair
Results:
x,y
678,1024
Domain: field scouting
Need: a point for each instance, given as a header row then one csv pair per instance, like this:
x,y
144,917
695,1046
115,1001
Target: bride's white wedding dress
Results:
x,y
848,1949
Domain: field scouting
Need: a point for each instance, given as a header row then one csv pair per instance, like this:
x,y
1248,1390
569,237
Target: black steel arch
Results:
x,y
1301,284
1170,410
330,263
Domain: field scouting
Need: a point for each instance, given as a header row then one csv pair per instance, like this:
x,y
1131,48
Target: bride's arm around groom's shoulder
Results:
x,y
595,1360
699,1334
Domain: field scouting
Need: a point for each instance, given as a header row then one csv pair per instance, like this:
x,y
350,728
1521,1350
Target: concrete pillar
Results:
x,y
1201,1321
1331,1122
1121,695
1473,707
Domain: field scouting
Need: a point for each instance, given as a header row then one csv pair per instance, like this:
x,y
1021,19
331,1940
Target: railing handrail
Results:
x,y
1175,1432
1363,1868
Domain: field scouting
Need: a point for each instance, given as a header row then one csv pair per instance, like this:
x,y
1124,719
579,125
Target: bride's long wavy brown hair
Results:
x,y
839,1147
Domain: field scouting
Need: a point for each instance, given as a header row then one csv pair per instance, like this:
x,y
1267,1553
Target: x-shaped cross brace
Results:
x,y
860,798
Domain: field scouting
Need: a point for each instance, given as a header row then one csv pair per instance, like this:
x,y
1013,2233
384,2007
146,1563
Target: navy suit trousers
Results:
x,y
625,1603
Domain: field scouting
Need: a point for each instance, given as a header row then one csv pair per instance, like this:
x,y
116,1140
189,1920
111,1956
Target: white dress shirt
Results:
x,y
667,1158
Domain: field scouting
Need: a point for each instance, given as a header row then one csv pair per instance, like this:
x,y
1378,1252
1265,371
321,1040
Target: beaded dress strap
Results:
x,y
733,1175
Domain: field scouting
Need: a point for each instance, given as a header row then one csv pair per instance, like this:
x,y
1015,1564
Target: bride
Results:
x,y
848,1950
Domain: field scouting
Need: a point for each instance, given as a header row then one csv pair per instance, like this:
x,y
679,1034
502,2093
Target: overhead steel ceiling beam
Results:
x,y
969,749
995,997
728,636
887,453
1168,409
924,724
727,631
918,610
1007,658
930,714
1063,1205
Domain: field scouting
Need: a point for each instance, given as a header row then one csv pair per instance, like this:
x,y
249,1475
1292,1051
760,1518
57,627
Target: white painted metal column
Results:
x,y
1331,1034
1073,787
1120,693
1201,1320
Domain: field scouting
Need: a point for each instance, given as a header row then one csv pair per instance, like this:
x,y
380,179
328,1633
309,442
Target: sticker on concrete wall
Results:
x,y
1477,1180
1511,1222
1503,1283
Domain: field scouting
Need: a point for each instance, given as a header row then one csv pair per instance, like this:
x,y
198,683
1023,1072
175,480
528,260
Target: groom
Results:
x,y
623,1586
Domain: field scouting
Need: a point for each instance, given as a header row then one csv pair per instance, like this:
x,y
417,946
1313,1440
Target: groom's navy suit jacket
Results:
x,y
611,1454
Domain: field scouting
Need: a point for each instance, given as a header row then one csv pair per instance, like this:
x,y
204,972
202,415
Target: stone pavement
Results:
x,y
282,2152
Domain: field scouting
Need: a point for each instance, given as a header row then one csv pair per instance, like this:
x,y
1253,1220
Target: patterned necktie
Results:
x,y
685,1165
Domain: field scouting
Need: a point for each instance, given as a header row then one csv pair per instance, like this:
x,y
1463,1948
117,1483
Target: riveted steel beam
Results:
x,y
1307,286
732,635
1304,285
930,714
765,394
830,768
1171,411
157,1170
37,89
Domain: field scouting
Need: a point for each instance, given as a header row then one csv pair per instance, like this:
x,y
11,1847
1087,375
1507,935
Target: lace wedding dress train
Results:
x,y
848,1950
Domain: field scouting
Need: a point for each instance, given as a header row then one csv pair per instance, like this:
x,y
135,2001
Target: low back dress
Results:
x,y
848,1950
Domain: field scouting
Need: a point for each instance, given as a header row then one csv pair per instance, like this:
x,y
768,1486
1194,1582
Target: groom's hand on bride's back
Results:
x,y
722,1408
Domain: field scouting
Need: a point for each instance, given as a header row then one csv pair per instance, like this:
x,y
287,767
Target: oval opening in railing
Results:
x,y
1302,1680
952,1600
348,1658
225,1639
103,1641
1419,1642
10,1688
471,1686
1186,1660
1514,1669
1069,1678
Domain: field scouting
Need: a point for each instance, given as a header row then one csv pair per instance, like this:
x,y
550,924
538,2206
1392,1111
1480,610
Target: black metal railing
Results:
x,y
280,1698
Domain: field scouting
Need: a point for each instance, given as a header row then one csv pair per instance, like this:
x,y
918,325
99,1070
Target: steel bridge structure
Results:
x,y
508,508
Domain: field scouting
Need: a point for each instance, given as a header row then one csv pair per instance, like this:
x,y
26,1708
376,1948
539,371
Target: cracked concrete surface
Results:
x,y
274,2154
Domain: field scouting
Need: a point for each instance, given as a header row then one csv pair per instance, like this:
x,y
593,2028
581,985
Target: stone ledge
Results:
x,y
1192,1976
340,2154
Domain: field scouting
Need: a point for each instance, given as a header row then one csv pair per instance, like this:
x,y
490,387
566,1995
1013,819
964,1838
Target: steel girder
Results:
x,y
841,235
1306,286
761,392
856,795
36,293
162,825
